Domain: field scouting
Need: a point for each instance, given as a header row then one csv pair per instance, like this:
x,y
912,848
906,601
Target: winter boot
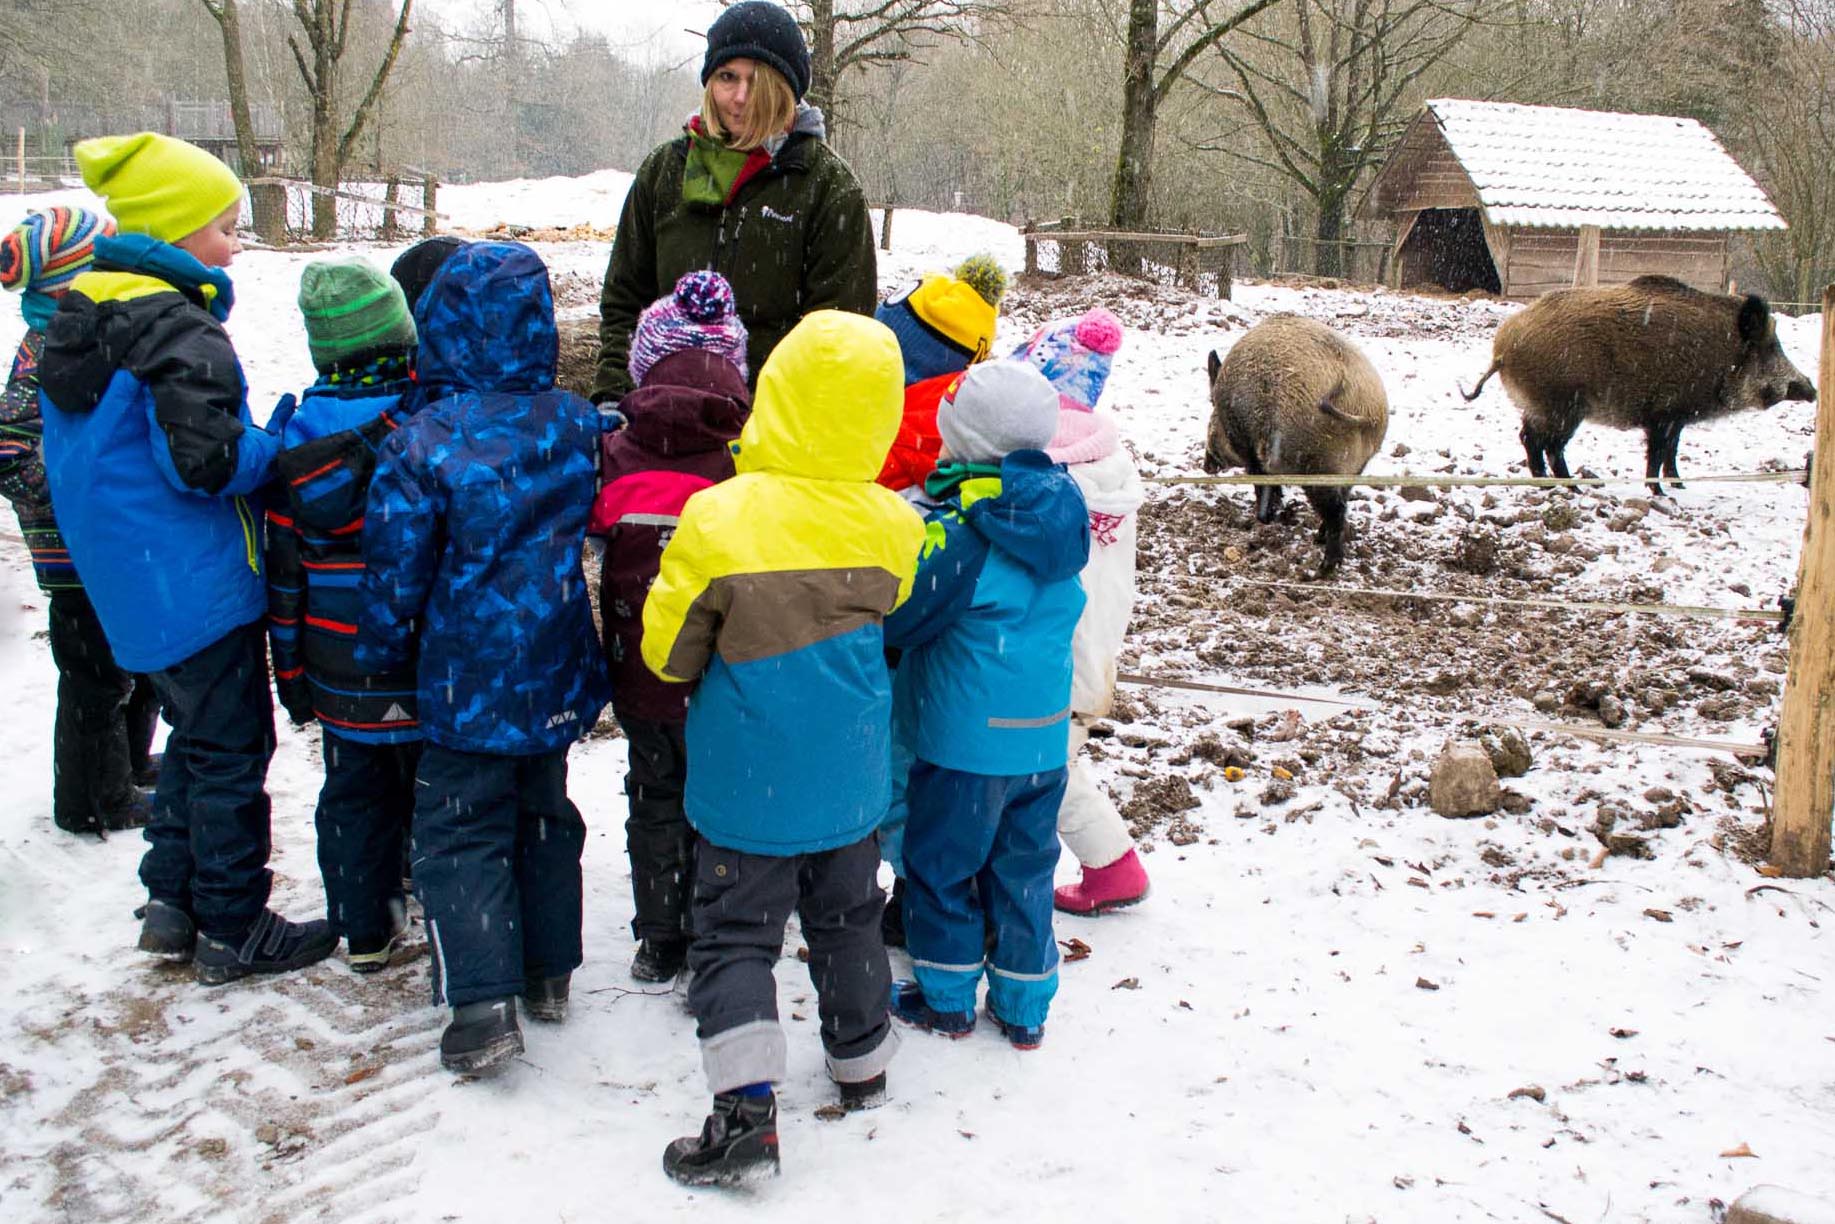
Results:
x,y
909,1005
545,999
166,931
481,1038
133,814
892,922
864,1094
737,1143
1120,884
1021,1036
659,960
372,955
272,945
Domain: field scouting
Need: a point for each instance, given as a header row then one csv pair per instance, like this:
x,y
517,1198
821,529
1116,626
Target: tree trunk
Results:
x,y
270,202
822,82
1328,256
1139,114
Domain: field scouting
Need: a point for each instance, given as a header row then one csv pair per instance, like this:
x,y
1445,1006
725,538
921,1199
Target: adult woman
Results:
x,y
750,190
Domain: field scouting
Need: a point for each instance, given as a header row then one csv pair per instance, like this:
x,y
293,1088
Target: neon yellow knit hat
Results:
x,y
157,185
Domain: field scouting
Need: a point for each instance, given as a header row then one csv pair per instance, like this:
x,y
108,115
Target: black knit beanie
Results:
x,y
415,267
762,31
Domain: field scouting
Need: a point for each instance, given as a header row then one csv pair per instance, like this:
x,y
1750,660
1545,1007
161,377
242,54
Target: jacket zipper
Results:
x,y
246,518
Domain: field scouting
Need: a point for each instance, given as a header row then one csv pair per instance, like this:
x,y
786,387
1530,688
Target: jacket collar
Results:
x,y
209,288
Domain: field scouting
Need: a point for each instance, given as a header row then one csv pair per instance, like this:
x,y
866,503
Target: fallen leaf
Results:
x,y
1280,773
361,1074
1417,882
802,954
966,1134
1520,917
1769,871
1638,1077
1741,1150
1483,914
1232,774
1387,862
1074,949
1532,1091
831,1112
1188,1006
1660,915
1623,1033
1403,1181
1599,859
798,1016
1422,983
1127,983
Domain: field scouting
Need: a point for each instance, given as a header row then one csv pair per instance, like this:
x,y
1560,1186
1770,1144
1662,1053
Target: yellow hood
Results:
x,y
829,401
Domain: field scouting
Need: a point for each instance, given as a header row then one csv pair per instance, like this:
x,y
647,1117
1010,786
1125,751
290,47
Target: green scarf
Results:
x,y
711,171
950,476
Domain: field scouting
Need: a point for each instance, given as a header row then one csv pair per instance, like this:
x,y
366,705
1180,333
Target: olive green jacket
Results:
x,y
795,238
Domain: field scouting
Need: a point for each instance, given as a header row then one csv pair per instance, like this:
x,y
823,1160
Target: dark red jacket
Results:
x,y
682,418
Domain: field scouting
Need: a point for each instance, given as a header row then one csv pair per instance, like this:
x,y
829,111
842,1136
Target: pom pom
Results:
x,y
1099,331
984,276
704,296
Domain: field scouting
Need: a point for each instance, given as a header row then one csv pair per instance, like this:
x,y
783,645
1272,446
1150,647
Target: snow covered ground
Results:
x,y
1336,1005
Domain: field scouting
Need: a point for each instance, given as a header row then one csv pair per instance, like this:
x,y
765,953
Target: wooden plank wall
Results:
x,y
1543,259
1438,182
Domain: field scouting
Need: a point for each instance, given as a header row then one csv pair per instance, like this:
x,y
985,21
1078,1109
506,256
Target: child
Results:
x,y
151,456
773,591
362,343
414,267
987,662
105,718
1076,355
471,543
688,362
944,324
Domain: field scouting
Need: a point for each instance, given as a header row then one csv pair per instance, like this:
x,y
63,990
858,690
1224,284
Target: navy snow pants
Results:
x,y
496,856
207,839
363,814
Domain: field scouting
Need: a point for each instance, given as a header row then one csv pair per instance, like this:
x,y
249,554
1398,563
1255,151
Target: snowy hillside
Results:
x,y
1335,1005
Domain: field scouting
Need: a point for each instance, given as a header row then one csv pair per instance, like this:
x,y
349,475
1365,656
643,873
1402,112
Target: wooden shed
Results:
x,y
1519,200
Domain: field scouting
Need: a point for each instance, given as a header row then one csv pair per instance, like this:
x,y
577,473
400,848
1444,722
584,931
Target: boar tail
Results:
x,y
1331,409
1483,379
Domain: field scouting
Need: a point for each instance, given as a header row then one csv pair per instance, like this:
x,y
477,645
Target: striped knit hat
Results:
x,y
354,311
701,313
45,252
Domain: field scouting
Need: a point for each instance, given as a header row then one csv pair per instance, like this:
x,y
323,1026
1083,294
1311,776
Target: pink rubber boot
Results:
x,y
1120,884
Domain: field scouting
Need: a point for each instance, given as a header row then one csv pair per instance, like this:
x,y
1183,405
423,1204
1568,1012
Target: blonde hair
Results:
x,y
770,107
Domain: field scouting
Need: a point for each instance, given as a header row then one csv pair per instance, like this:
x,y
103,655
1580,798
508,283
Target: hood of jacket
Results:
x,y
1038,518
829,401
692,401
486,323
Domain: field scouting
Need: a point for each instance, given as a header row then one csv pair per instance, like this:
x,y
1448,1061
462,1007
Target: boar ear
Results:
x,y
1754,321
1211,366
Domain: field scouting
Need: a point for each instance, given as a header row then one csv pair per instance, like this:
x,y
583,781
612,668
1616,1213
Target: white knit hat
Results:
x,y
996,408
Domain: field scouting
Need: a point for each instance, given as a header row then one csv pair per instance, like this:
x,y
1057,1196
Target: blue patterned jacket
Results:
x,y
476,519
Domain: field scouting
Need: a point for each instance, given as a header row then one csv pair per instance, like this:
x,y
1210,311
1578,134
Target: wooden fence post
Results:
x,y
1032,250
430,195
1805,797
885,228
1586,258
1072,257
391,196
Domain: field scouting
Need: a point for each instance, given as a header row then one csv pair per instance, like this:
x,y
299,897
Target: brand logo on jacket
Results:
x,y
563,718
772,213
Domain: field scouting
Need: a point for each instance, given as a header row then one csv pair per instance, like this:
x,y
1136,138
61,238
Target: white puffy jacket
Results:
x,y
1090,444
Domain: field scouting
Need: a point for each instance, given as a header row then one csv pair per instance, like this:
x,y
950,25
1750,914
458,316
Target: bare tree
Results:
x,y
1329,91
863,34
326,25
270,202
1146,84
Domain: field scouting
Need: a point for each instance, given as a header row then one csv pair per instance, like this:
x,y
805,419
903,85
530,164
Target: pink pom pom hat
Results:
x,y
1076,355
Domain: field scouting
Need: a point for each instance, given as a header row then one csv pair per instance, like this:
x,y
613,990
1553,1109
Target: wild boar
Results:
x,y
1296,398
1653,355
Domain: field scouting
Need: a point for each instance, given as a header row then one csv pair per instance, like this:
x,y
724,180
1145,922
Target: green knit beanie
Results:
x,y
354,310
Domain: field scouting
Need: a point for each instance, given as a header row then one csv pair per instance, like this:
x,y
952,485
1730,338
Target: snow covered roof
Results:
x,y
1559,166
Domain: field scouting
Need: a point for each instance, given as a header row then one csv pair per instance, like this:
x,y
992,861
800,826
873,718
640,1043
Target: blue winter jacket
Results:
x,y
987,631
476,519
151,454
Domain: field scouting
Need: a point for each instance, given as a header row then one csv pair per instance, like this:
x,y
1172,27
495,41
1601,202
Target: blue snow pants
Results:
x,y
496,856
208,835
978,842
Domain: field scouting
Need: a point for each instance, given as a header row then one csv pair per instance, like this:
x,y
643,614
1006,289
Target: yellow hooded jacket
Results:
x,y
774,589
